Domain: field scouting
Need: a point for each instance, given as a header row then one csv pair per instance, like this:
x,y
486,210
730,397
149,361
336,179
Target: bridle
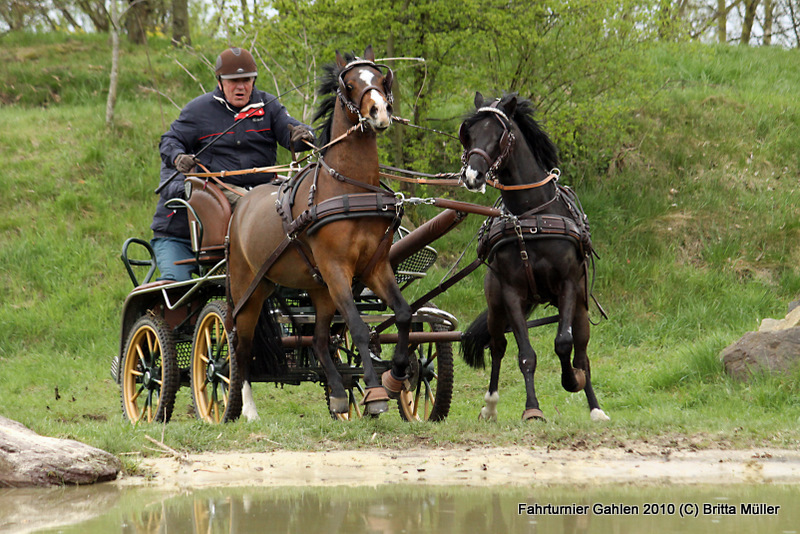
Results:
x,y
353,105
507,142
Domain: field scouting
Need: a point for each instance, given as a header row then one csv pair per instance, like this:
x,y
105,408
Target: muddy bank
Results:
x,y
640,464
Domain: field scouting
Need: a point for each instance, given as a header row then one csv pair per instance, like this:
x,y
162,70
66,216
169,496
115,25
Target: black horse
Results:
x,y
537,253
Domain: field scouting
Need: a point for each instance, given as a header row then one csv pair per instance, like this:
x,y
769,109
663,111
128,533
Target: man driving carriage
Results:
x,y
261,124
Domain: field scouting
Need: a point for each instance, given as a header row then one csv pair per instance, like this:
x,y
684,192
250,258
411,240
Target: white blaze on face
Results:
x,y
383,119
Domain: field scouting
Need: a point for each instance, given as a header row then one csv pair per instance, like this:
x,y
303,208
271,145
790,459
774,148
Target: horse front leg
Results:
x,y
375,398
516,308
581,359
383,283
325,309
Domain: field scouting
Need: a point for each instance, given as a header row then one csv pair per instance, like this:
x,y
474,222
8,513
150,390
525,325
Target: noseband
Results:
x,y
507,141
354,105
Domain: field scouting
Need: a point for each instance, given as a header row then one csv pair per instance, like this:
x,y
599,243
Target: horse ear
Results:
x,y
340,60
478,100
511,105
369,54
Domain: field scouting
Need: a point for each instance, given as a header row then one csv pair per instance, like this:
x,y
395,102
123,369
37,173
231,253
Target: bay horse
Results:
x,y
279,235
537,253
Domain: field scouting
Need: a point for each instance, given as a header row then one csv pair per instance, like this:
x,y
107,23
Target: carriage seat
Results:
x,y
214,212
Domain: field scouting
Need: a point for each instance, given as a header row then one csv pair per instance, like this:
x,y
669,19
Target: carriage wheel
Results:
x,y
431,384
215,376
150,376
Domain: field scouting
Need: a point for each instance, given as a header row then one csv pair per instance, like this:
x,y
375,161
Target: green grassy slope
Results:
x,y
696,221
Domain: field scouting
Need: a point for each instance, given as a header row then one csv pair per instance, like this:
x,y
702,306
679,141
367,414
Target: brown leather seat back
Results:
x,y
213,210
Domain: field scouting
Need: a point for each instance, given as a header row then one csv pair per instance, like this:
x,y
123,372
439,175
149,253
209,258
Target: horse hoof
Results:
x,y
487,415
392,385
580,381
339,405
533,413
377,407
599,415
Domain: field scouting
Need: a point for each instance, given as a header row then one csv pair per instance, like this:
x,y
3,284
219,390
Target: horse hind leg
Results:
x,y
497,348
572,379
325,309
245,324
581,360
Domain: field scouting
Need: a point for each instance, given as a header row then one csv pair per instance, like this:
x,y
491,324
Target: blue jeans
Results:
x,y
168,250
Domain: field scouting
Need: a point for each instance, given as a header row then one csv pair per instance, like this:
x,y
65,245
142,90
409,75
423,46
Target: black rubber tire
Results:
x,y
215,377
149,367
412,403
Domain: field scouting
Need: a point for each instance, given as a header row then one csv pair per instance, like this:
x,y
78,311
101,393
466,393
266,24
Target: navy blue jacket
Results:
x,y
251,143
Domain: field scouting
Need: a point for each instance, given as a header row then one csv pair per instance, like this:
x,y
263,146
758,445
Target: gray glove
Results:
x,y
300,134
185,162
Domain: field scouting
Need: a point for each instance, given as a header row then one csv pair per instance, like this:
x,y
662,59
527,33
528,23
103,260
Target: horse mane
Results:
x,y
327,87
542,147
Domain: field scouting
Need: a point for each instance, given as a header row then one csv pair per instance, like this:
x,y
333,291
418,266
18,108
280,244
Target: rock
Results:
x,y
28,459
791,320
772,352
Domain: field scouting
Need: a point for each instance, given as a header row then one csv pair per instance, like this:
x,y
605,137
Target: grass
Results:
x,y
696,222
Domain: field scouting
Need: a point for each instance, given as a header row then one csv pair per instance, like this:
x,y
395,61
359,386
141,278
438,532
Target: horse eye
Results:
x,y
349,86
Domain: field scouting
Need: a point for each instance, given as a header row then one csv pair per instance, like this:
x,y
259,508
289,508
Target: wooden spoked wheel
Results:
x,y
150,378
215,378
431,383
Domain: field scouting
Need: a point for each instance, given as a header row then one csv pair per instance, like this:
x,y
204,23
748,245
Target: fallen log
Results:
x,y
28,459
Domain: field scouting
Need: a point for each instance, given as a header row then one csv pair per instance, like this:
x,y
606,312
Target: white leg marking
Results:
x,y
599,415
489,411
248,404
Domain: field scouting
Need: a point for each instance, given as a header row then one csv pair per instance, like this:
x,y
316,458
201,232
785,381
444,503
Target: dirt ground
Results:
x,y
641,464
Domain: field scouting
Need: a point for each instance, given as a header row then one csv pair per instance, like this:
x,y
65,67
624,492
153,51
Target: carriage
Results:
x,y
173,334
327,233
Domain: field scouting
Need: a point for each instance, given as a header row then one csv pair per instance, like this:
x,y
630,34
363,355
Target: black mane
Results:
x,y
327,88
541,146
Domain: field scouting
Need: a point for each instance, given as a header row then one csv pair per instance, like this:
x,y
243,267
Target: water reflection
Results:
x,y
430,509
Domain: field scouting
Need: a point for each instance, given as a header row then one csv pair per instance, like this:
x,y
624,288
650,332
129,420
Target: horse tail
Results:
x,y
474,340
269,357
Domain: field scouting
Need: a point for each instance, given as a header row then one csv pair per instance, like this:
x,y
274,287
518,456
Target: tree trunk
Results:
x,y
245,13
749,18
28,459
722,22
137,20
111,102
769,18
180,22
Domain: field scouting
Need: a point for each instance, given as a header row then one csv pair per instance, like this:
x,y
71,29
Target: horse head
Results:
x,y
365,91
487,139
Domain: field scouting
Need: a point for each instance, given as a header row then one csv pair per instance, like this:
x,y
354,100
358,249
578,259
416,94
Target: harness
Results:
x,y
378,202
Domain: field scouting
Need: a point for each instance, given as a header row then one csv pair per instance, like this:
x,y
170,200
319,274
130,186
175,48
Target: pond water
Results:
x,y
395,509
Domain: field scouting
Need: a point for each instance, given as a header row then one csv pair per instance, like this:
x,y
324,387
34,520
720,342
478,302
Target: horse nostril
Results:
x,y
389,109
373,111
